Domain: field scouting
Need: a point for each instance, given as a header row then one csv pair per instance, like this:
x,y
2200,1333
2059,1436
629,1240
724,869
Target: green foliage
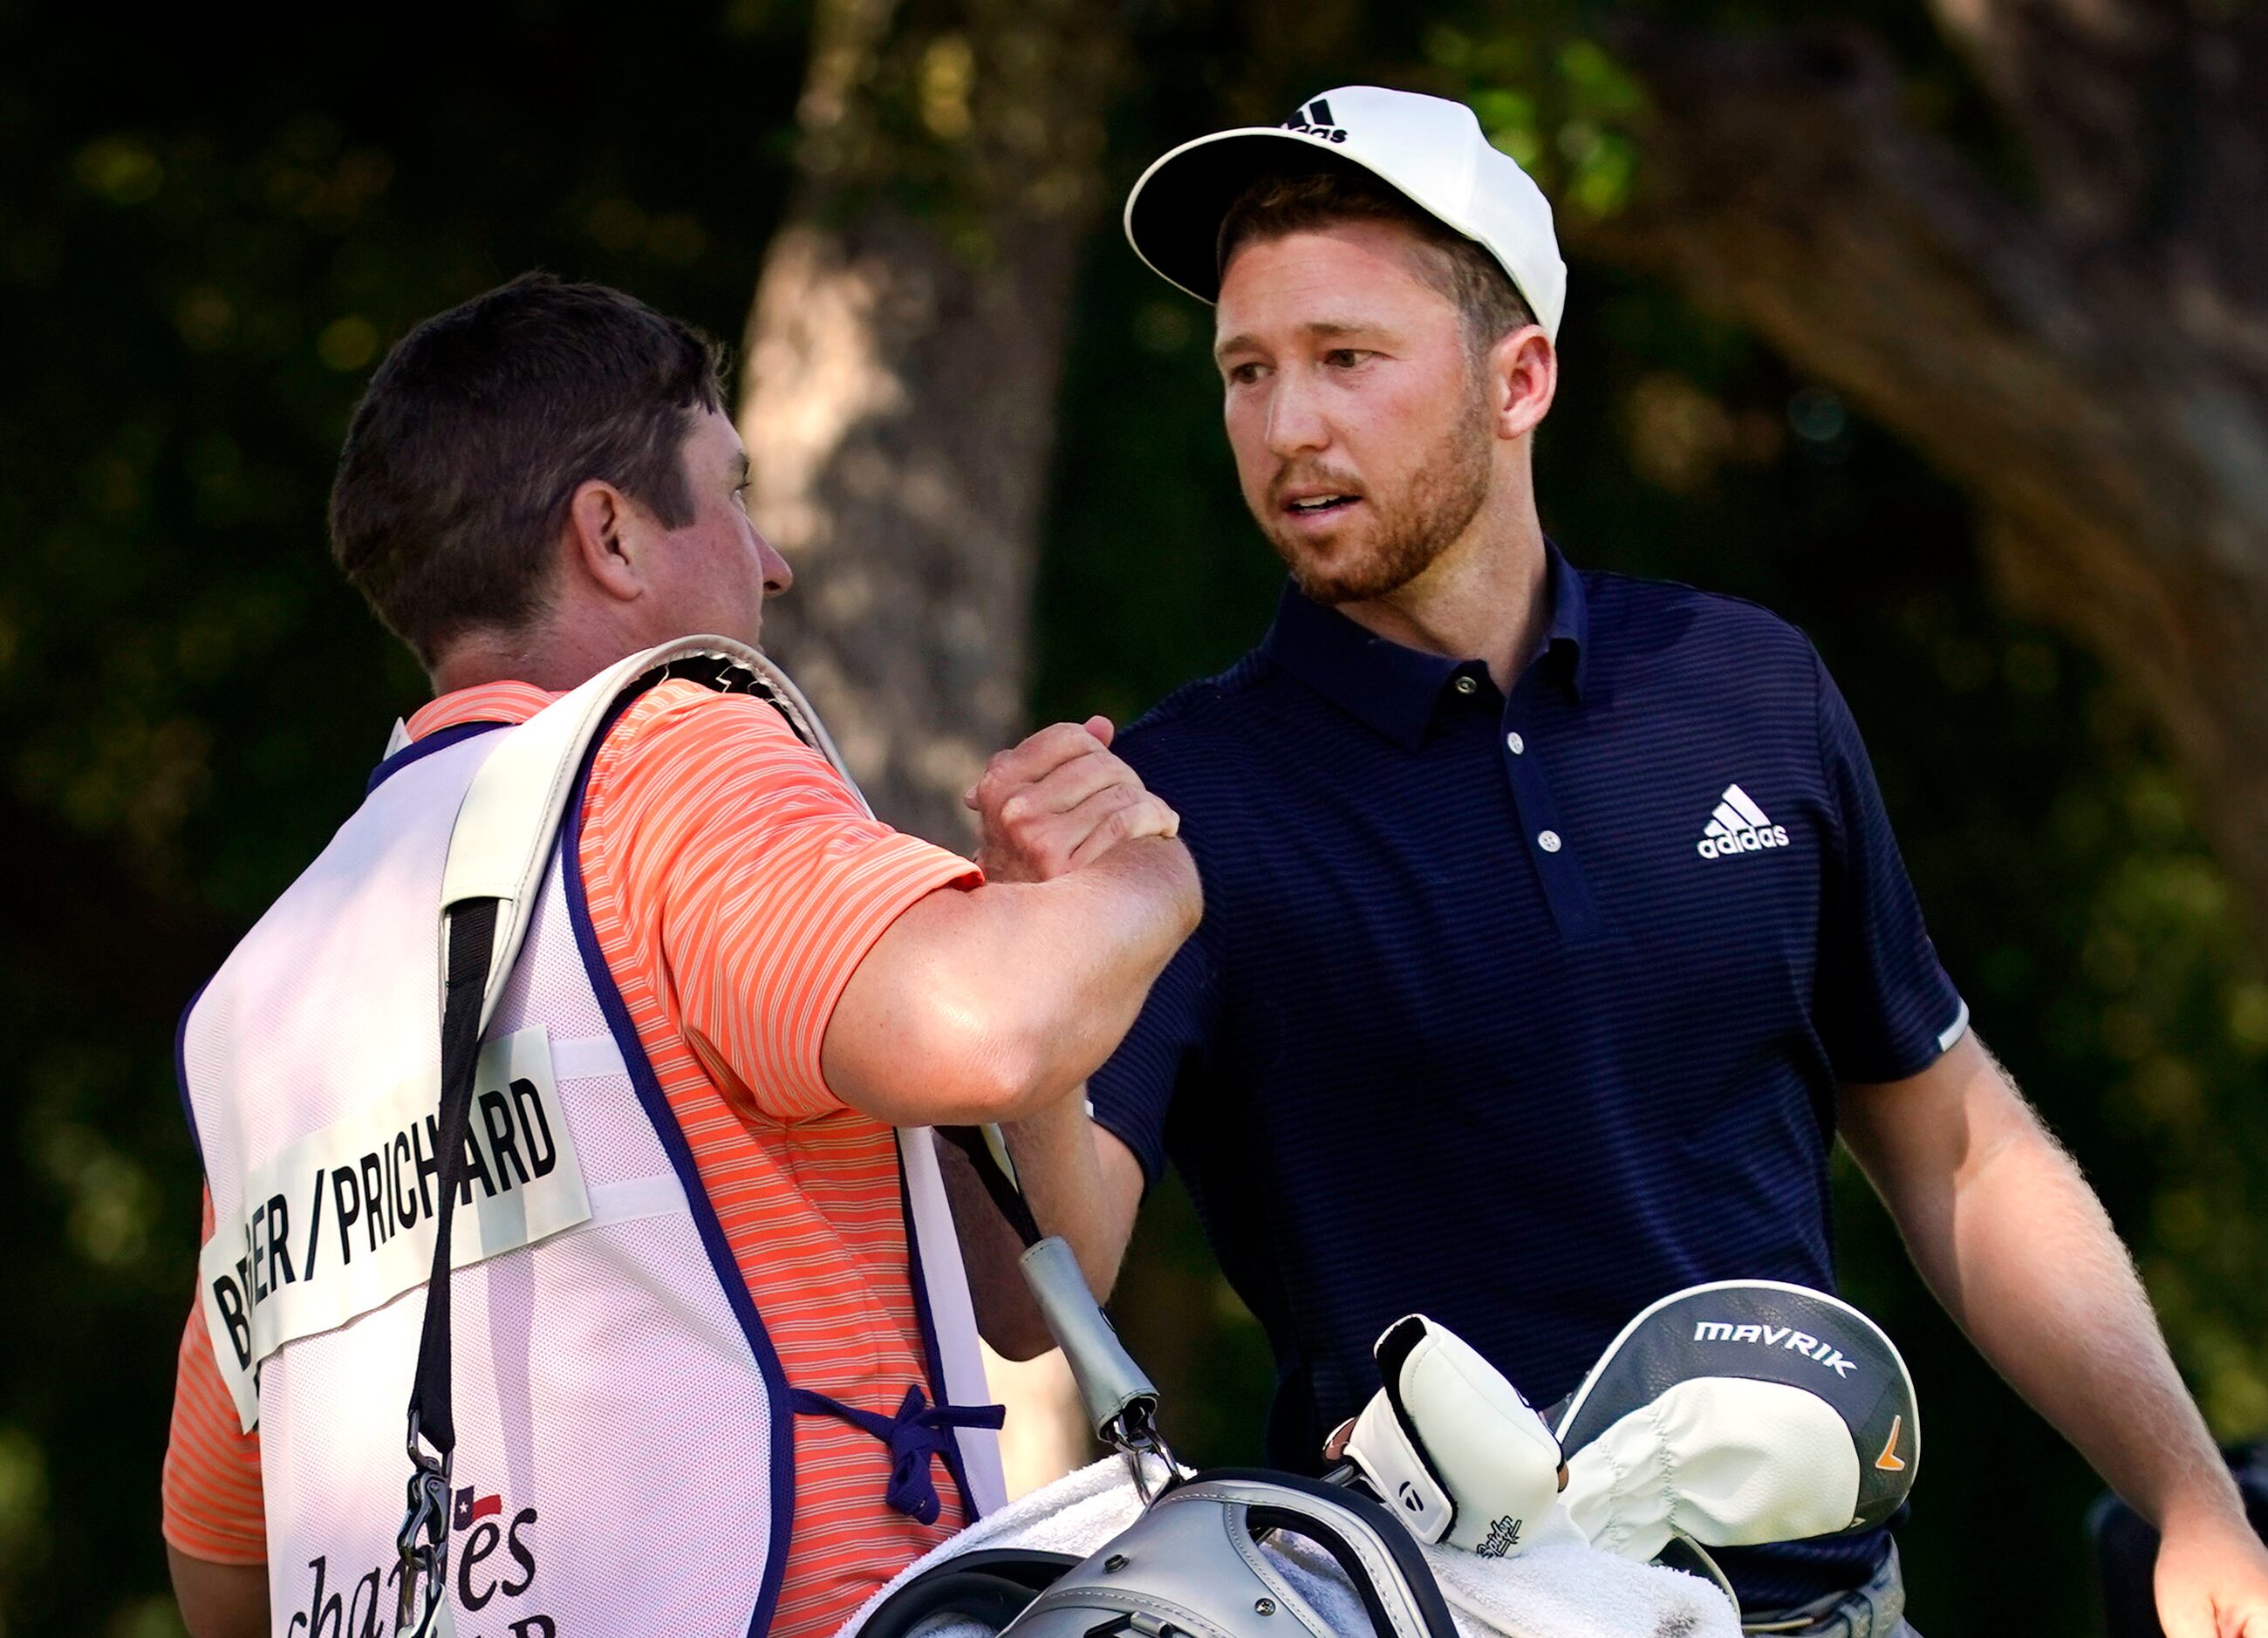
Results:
x,y
1563,107
1547,80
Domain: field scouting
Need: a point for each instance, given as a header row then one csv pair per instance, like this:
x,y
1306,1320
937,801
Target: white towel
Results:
x,y
1560,1587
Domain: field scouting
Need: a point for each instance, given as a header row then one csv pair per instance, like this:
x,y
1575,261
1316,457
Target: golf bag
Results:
x,y
1191,1563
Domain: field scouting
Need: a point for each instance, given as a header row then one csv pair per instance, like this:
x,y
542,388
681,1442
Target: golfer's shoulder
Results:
x,y
1198,739
1672,634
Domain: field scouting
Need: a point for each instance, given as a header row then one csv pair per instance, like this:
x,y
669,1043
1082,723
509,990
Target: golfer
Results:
x,y
1554,927
722,1398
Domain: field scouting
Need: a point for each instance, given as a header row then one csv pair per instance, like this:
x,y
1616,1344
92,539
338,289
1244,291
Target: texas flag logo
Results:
x,y
470,1509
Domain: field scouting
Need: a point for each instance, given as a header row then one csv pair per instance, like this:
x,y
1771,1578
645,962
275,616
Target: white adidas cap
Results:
x,y
1428,149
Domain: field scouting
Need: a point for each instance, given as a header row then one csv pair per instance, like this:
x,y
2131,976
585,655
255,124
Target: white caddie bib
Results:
x,y
624,1462
275,1275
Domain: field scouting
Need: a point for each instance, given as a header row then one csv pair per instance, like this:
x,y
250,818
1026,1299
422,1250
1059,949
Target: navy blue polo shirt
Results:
x,y
1521,1011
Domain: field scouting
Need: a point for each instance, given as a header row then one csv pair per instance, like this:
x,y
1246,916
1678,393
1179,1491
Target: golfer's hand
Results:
x,y
1061,800
2211,1579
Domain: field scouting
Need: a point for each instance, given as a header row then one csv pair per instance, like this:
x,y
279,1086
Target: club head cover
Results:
x,y
1451,1446
1740,1413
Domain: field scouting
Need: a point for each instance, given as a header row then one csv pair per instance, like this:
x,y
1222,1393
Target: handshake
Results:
x,y
1059,801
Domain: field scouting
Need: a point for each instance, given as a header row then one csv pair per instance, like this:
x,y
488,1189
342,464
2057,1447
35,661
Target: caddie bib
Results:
x,y
625,1459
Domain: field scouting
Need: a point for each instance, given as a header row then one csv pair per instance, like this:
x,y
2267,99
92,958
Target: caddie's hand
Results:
x,y
2211,1578
1061,800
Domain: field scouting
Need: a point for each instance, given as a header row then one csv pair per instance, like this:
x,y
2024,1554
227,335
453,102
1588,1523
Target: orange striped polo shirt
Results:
x,y
734,884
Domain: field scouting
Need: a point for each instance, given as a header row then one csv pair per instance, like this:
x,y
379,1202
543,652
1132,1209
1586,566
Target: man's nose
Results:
x,y
777,575
1296,425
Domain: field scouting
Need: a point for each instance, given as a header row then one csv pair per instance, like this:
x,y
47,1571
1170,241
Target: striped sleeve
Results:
x,y
1885,1008
210,1492
768,879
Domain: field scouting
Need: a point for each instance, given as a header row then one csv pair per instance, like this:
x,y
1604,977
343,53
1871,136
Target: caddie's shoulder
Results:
x,y
681,710
695,743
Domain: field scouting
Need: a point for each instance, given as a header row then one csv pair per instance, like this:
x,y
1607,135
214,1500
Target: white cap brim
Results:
x,y
1175,212
1431,152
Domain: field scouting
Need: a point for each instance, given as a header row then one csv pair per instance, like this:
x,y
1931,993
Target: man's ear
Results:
x,y
599,542
1524,377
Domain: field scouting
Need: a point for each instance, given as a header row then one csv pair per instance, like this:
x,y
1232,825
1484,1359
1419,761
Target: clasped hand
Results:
x,y
1059,801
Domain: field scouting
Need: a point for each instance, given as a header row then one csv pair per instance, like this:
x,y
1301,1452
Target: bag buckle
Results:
x,y
422,1541
1134,1435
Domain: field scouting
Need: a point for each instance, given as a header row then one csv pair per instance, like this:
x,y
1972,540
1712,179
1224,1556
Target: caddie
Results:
x,y
1554,927
715,1365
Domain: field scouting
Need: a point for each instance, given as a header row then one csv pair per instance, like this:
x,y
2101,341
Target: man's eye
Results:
x,y
1243,374
1344,357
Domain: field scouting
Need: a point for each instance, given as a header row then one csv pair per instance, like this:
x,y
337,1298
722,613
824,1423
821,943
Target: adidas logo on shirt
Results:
x,y
1739,825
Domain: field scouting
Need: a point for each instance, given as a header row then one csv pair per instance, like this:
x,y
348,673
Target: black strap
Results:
x,y
1392,1534
1009,1201
992,1585
1423,1589
471,934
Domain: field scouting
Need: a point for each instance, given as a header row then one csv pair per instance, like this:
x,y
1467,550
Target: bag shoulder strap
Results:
x,y
509,818
500,848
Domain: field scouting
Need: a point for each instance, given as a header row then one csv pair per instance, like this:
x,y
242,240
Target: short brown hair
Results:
x,y
1459,268
474,433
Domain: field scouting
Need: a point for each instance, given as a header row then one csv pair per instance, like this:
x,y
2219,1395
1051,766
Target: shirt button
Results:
x,y
1465,686
1515,743
1547,840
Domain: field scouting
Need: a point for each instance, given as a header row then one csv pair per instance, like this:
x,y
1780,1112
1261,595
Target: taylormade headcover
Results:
x,y
1451,1446
1740,1413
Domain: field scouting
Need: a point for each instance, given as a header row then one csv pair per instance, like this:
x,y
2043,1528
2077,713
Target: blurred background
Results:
x,y
1938,325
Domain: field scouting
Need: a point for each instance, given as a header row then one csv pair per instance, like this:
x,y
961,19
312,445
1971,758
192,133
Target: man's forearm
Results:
x,y
1062,1183
2020,1253
1080,1183
1087,948
1060,1166
988,1004
2034,1273
2018,1250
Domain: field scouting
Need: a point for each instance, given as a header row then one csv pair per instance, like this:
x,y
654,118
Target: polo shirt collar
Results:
x,y
1395,689
507,702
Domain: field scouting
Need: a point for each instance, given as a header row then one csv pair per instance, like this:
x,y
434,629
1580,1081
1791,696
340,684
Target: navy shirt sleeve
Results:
x,y
1885,1008
1133,1093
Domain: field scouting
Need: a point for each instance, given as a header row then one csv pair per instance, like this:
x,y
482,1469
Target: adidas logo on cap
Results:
x,y
1314,120
1739,825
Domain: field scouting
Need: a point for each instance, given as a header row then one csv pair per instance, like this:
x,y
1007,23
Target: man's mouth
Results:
x,y
1320,505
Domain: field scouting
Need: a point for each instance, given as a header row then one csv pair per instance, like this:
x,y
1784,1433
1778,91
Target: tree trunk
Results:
x,y
898,403
2092,368
902,357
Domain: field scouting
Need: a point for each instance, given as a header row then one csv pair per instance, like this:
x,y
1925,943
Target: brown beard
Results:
x,y
1410,530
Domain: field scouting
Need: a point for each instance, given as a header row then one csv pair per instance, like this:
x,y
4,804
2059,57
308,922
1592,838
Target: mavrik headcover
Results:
x,y
1736,1414
1451,1446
